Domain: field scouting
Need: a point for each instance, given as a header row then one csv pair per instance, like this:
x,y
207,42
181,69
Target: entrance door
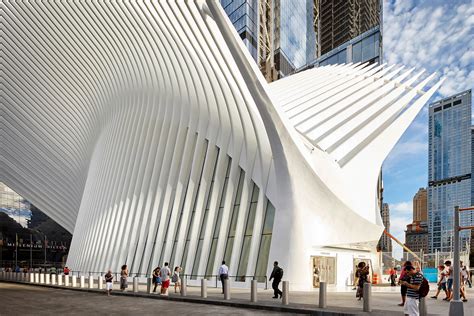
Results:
x,y
367,262
324,270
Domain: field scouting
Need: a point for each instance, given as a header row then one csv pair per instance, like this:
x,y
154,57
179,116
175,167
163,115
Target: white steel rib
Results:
x,y
146,130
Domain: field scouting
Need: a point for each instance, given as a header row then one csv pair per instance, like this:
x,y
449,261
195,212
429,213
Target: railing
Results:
x,y
185,276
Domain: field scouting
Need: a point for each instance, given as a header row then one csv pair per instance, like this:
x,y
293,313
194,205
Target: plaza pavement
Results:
x,y
339,301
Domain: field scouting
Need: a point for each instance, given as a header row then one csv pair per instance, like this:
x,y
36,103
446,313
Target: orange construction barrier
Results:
x,y
375,278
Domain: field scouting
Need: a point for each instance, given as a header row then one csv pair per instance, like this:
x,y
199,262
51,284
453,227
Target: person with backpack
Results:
x,y
176,279
277,275
417,287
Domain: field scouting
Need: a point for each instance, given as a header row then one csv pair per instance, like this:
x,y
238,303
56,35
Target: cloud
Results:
x,y
435,35
403,207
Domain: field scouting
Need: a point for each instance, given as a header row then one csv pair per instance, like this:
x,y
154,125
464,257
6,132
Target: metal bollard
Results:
x,y
423,307
227,289
47,278
184,289
82,281
37,278
53,279
32,277
91,281
285,289
60,279
99,282
203,288
367,297
74,281
66,280
322,294
149,285
253,291
42,278
135,284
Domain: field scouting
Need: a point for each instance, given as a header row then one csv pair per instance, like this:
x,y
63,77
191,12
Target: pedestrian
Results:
x,y
156,278
277,275
66,271
462,289
165,279
441,283
124,278
465,275
412,282
176,279
403,288
449,275
363,271
393,277
223,274
109,279
52,270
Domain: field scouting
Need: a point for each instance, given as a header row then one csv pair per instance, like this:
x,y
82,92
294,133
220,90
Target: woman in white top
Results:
x,y
176,279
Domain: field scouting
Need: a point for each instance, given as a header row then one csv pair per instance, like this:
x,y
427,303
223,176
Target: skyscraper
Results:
x,y
342,20
294,39
420,206
449,169
244,16
385,243
416,235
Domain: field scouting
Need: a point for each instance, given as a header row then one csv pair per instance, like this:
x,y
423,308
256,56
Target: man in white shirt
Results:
x,y
165,273
223,274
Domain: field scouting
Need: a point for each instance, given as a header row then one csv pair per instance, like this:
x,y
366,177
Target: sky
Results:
x,y
436,36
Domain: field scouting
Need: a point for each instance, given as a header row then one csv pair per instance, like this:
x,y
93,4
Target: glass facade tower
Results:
x,y
244,16
449,169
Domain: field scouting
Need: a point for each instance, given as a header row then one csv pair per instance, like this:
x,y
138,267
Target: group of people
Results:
x,y
162,276
361,277
276,276
446,280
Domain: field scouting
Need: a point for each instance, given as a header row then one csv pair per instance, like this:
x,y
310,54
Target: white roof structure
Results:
x,y
146,130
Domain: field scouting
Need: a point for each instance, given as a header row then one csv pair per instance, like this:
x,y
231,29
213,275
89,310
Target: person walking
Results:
x,y
441,283
109,279
176,279
66,271
465,275
124,278
156,278
223,274
412,282
403,288
276,275
393,277
363,271
165,273
450,280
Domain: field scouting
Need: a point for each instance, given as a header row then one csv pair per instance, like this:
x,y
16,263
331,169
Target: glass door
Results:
x,y
324,270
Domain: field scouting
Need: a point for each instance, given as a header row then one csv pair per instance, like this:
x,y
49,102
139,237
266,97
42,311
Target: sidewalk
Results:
x,y
384,300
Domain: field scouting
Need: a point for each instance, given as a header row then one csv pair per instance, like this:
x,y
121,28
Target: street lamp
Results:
x,y
456,307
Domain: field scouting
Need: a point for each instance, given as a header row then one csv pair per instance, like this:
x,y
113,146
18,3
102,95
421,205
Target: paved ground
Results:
x,y
384,302
19,299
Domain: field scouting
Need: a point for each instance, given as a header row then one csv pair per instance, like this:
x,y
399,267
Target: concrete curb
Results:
x,y
230,303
